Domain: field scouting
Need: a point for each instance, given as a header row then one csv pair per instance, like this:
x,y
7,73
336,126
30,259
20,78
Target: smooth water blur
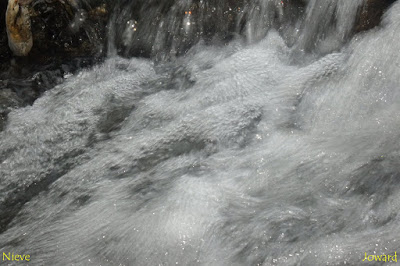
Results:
x,y
230,155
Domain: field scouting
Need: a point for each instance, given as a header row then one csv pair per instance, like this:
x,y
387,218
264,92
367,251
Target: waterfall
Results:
x,y
214,133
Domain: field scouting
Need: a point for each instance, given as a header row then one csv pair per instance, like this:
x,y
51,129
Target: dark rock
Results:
x,y
59,28
4,50
66,37
62,29
75,28
371,14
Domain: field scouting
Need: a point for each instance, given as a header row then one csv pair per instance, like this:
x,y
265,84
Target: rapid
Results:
x,y
266,138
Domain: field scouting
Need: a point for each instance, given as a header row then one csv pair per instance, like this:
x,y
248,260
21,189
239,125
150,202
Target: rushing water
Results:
x,y
276,148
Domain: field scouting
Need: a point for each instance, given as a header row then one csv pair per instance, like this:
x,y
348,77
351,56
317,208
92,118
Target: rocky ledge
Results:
x,y
41,41
53,27
46,28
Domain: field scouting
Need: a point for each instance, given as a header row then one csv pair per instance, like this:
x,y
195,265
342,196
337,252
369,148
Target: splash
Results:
x,y
278,146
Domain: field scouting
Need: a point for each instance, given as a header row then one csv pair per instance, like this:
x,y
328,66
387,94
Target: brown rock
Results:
x,y
24,2
18,25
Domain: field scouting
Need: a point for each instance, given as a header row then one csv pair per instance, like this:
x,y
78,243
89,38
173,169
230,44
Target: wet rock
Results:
x,y
66,36
371,14
3,35
18,25
53,28
64,28
72,28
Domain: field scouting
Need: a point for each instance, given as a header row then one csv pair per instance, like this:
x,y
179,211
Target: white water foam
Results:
x,y
230,155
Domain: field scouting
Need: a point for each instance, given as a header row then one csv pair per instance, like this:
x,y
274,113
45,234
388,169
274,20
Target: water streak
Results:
x,y
244,152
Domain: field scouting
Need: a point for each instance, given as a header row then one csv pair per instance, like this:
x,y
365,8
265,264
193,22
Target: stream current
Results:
x,y
280,148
